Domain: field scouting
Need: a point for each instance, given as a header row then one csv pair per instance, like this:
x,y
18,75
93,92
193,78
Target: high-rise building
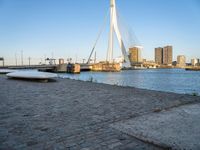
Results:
x,y
181,61
159,55
135,54
167,55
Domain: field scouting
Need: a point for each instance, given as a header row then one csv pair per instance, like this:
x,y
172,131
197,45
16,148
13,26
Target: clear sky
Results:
x,y
68,28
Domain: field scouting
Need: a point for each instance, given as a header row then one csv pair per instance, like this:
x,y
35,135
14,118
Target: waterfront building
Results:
x,y
159,55
181,61
195,62
167,55
106,67
135,54
61,61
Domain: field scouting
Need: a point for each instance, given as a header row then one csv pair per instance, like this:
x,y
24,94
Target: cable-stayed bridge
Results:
x,y
116,30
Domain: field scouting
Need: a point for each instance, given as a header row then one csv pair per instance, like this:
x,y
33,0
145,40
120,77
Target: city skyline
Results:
x,y
69,28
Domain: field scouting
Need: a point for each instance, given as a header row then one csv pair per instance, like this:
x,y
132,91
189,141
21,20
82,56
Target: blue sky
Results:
x,y
68,28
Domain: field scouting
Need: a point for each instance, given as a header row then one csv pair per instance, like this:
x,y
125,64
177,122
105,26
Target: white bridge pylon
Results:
x,y
115,28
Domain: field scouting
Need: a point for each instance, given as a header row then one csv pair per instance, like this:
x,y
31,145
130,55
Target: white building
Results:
x,y
181,61
194,61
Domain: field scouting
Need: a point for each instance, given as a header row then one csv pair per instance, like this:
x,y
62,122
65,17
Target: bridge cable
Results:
x,y
98,37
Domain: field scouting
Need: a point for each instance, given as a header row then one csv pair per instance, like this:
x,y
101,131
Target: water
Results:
x,y
169,80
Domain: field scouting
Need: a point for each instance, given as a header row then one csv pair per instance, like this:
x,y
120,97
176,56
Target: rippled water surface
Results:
x,y
170,80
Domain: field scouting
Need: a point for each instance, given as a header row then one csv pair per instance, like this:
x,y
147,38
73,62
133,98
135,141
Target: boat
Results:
x,y
32,75
5,71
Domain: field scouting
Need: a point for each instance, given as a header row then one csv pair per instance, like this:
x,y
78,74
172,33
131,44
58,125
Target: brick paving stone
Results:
x,y
70,114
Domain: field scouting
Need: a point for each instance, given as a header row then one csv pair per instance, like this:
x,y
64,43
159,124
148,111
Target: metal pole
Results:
x,y
76,59
22,57
45,59
52,55
16,59
29,61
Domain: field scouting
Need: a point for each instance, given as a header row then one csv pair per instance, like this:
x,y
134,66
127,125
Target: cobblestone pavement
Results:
x,y
70,114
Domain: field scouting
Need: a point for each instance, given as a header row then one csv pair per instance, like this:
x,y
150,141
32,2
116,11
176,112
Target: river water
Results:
x,y
169,80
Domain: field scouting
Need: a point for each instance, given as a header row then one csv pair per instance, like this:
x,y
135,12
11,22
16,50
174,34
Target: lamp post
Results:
x,y
29,61
22,57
